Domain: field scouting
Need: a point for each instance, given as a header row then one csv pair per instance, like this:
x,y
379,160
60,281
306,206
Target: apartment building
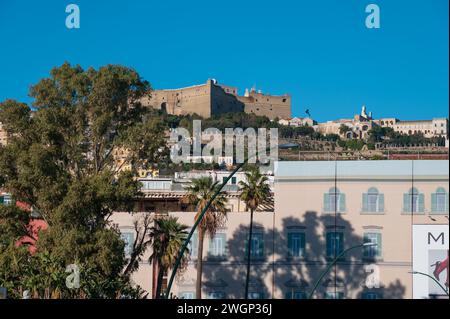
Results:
x,y
343,204
321,210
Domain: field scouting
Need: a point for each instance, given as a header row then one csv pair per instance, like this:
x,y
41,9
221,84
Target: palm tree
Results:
x,y
254,192
200,192
167,238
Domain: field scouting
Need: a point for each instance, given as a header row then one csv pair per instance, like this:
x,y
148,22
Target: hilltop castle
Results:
x,y
212,98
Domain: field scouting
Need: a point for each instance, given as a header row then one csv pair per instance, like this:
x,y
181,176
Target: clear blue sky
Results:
x,y
318,51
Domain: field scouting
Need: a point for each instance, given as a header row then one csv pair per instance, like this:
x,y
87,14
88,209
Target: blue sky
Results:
x,y
318,51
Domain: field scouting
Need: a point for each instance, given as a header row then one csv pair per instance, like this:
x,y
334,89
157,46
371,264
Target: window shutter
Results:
x,y
365,206
433,202
341,243
378,247
381,203
446,202
406,203
261,246
303,244
365,248
211,247
290,252
421,202
342,203
329,248
194,244
326,202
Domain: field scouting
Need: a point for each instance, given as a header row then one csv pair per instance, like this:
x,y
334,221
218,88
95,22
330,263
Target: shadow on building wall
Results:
x,y
276,273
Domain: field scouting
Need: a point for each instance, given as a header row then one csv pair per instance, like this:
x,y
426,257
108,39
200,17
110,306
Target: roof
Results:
x,y
369,169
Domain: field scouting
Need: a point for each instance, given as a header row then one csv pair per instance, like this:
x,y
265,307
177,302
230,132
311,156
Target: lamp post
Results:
x,y
205,209
434,279
334,262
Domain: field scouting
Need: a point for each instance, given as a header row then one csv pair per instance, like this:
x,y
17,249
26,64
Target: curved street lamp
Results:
x,y
205,209
334,262
434,279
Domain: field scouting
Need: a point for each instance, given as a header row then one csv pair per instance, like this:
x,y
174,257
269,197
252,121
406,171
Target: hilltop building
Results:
x,y
358,126
297,121
429,128
212,98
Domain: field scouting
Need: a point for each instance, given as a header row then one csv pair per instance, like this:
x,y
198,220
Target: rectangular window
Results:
x,y
255,295
193,245
334,295
187,295
371,295
296,244
296,294
216,295
128,238
335,244
217,245
372,251
257,246
156,185
233,180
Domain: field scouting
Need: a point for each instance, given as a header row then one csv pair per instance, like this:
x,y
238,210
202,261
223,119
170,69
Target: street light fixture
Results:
x,y
205,209
368,244
434,279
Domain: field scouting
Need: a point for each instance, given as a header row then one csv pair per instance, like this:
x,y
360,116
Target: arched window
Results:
x,y
373,201
334,201
439,201
413,201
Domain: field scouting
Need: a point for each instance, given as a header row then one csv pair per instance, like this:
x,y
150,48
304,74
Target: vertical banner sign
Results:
x,y
430,256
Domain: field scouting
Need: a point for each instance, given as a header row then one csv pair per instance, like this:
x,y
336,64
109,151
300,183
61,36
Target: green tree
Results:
x,y
200,192
60,162
343,129
168,237
254,192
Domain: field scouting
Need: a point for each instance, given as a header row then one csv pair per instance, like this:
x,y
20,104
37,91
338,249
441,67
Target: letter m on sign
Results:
x,y
431,236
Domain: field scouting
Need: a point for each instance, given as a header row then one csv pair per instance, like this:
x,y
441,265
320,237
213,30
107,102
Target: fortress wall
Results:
x,y
223,102
195,99
213,99
267,105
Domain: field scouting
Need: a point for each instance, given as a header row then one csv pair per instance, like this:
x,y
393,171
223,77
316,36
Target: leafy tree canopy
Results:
x,y
61,161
